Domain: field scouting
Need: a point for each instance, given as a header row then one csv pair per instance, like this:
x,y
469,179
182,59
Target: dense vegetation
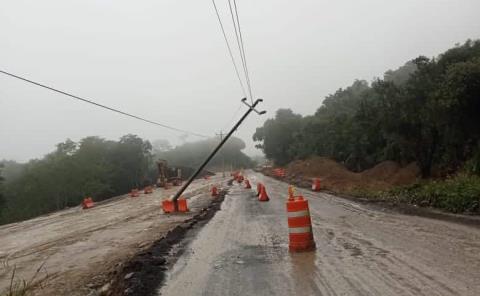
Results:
x,y
426,111
192,154
458,193
95,167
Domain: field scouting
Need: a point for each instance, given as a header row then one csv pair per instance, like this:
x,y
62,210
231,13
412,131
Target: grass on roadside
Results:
x,y
457,194
21,287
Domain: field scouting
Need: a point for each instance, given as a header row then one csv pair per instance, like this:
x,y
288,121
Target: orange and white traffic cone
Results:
x,y
263,194
299,225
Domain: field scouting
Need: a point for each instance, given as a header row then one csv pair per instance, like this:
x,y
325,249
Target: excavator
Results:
x,y
168,175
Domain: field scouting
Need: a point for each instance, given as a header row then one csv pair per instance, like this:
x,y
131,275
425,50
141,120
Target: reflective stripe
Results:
x,y
300,230
303,213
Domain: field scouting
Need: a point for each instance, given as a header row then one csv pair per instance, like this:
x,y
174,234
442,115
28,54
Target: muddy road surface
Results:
x,y
243,250
76,250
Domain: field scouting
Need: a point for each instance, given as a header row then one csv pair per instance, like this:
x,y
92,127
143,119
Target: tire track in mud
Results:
x,y
345,247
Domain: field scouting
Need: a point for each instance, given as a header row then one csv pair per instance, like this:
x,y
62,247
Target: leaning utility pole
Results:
x,y
234,128
223,154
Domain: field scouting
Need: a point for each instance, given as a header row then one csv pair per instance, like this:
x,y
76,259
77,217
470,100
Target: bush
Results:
x,y
457,194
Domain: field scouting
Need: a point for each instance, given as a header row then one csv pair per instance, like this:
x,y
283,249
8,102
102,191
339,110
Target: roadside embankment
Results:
x,y
390,184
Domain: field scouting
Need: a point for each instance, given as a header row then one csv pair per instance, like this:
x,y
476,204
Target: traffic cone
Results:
x,y
134,193
263,194
214,191
259,188
240,179
316,184
247,184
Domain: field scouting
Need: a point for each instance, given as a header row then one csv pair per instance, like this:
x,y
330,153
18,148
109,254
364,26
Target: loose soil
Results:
x,y
336,177
338,180
79,250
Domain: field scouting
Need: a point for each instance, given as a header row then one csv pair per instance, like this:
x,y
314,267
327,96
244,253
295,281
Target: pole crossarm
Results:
x,y
212,154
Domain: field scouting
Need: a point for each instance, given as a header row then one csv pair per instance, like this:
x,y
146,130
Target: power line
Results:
x,y
229,48
243,50
103,106
242,57
233,117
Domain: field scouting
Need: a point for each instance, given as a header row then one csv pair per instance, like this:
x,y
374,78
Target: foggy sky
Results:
x,y
167,61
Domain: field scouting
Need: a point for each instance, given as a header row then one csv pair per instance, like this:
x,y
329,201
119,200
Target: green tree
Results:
x,y
425,111
277,136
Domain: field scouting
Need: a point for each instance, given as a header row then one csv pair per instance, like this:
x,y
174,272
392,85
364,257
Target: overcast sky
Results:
x,y
166,60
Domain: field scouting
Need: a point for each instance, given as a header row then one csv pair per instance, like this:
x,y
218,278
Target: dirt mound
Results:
x,y
406,175
316,166
335,176
382,171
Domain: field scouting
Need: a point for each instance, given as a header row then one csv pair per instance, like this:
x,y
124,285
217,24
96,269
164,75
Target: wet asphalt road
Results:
x,y
243,250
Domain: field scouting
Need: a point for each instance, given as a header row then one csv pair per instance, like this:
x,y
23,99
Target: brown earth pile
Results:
x,y
335,176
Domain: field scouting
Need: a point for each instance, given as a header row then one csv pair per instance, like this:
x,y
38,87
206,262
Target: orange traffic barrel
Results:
x,y
168,205
316,184
299,225
148,190
182,205
87,203
134,193
247,184
263,194
214,191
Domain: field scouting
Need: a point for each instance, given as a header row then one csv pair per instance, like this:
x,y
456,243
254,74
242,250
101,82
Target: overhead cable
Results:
x,y
89,101
241,47
229,48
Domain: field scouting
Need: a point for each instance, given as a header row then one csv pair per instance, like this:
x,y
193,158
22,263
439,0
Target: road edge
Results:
x,y
401,208
144,272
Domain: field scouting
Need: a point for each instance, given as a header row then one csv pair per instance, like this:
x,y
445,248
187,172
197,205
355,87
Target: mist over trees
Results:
x,y
192,154
426,111
98,168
